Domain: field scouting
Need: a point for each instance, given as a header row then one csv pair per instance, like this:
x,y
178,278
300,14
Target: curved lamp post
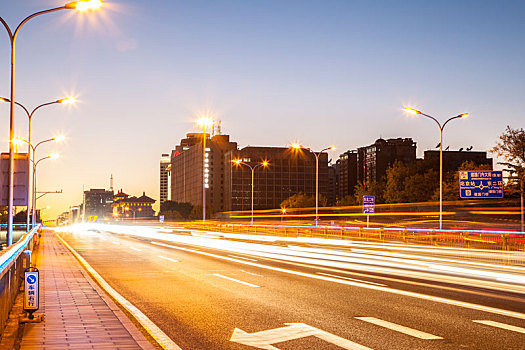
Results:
x,y
82,5
67,100
51,156
441,127
263,164
316,154
204,122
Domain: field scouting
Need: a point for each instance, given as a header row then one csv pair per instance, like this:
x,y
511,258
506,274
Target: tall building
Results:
x,y
192,168
125,206
452,160
347,163
374,160
289,172
97,202
165,167
333,184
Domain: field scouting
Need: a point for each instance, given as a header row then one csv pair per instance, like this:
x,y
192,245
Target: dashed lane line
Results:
x,y
398,328
236,280
137,249
350,279
169,259
501,325
241,257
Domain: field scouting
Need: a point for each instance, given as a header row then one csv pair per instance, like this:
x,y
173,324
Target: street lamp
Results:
x,y
263,164
316,154
67,100
18,140
204,122
441,127
51,156
82,5
133,210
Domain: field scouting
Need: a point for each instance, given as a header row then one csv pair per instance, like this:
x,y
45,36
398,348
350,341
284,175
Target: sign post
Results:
x,y
368,207
31,295
481,184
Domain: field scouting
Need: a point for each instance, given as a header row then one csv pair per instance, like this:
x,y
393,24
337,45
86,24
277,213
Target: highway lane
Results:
x,y
198,295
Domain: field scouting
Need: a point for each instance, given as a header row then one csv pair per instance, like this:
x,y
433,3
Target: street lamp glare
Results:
x,y
265,163
53,156
67,100
59,138
464,115
332,148
205,122
296,146
412,110
18,141
84,5
3,99
236,161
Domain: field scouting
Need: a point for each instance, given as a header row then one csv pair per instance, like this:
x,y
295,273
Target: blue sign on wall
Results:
x,y
369,203
481,184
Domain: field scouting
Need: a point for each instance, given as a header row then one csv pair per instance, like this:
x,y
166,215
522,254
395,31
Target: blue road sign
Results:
x,y
31,297
369,203
481,184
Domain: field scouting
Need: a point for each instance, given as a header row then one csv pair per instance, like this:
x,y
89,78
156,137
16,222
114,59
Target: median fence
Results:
x,y
13,262
503,241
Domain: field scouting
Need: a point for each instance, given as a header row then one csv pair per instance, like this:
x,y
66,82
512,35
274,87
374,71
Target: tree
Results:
x,y
301,200
451,180
409,183
371,188
511,146
346,201
176,210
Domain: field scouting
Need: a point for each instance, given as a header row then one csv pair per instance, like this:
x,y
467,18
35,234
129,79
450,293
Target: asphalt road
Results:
x,y
200,288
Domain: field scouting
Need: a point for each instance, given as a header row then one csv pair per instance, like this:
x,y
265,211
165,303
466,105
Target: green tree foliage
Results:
x,y
301,200
408,183
196,212
511,146
176,210
372,188
346,201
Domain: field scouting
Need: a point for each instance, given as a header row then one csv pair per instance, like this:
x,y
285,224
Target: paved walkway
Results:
x,y
78,314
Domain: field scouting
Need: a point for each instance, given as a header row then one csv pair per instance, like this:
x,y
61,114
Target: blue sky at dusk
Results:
x,y
320,72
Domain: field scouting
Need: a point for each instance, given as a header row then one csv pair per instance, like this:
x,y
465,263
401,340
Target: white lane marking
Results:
x,y
458,303
137,249
241,257
155,332
115,242
398,328
170,259
251,273
235,280
350,279
265,339
501,325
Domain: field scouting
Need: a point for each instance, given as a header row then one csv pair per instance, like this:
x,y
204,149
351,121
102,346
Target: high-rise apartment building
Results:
x,y
98,202
165,167
374,160
289,172
347,163
192,168
452,160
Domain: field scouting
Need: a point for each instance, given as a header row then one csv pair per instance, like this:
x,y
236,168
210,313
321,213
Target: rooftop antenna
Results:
x,y
218,127
111,183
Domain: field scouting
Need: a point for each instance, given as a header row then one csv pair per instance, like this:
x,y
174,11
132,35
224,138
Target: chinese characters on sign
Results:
x,y
31,290
481,184
369,204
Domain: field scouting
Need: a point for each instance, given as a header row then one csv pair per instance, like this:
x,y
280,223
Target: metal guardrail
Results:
x,y
12,265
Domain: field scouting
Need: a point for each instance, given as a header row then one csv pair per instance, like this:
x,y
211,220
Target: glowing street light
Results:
x,y
82,5
263,164
67,100
441,127
204,122
316,154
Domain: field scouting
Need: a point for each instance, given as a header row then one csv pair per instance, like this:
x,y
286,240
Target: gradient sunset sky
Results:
x,y
320,72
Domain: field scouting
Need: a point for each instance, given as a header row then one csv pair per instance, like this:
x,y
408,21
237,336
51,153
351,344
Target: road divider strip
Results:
x,y
151,328
236,280
441,300
398,328
501,325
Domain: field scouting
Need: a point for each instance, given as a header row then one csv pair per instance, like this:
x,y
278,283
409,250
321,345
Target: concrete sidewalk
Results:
x,y
78,313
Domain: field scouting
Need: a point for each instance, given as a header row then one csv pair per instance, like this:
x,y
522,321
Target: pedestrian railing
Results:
x,y
13,262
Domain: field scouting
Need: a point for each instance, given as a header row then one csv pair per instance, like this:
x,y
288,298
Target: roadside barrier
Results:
x,y
13,262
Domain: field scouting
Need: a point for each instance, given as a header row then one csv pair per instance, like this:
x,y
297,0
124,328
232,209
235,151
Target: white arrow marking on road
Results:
x,y
265,339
